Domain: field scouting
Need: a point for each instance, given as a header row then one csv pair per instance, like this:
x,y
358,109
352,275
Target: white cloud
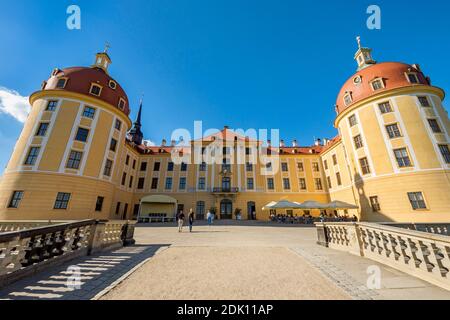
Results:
x,y
13,104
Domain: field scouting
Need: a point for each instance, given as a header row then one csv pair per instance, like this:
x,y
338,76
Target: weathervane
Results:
x,y
107,47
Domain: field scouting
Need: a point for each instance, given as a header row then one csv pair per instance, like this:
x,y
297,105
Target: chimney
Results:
x,y
294,143
163,143
172,143
281,143
145,143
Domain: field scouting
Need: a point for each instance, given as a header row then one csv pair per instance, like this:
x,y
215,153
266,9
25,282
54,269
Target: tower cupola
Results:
x,y
363,56
102,60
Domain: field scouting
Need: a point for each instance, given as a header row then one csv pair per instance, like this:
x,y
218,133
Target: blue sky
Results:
x,y
246,64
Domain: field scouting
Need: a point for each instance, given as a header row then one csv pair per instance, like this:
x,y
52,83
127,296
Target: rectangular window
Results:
x,y
108,166
393,131
445,152
424,101
284,167
330,186
127,160
270,184
96,90
74,160
156,166
124,178
155,183
352,120
358,141
134,164
141,183
32,156
202,167
300,166
315,166
434,125
417,201
170,166
42,130
130,185
286,184
402,157
168,185
118,125
374,204
248,151
121,104
82,134
61,84
385,107
334,159
51,105
182,184
183,166
15,199
89,112
113,145
249,167
412,77
377,84
118,208
325,164
302,183
250,184
364,163
318,183
143,166
201,183
62,200
338,178
347,99
99,204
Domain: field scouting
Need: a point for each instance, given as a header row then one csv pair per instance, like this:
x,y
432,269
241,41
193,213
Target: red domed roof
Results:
x,y
392,73
79,80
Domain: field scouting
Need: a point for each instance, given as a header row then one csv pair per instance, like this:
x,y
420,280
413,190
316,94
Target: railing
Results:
x,y
225,190
10,226
421,254
28,250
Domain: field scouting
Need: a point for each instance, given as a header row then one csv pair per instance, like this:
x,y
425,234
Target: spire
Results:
x,y
136,134
363,56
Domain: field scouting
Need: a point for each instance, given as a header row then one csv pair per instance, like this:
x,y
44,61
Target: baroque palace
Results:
x,y
80,156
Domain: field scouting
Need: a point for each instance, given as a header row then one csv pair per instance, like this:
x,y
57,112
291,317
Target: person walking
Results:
x,y
180,221
209,217
191,219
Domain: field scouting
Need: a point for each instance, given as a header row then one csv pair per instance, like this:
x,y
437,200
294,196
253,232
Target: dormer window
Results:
x,y
112,84
95,90
121,103
348,99
55,72
412,77
377,84
61,84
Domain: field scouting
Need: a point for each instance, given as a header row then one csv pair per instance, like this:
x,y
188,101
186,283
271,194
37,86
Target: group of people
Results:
x,y
180,217
308,219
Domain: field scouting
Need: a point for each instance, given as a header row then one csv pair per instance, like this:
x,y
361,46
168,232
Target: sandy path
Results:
x,y
226,272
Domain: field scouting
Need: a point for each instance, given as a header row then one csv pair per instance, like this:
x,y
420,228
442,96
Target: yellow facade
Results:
x,y
117,183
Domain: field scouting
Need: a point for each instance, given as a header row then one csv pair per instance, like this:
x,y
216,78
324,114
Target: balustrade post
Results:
x,y
96,238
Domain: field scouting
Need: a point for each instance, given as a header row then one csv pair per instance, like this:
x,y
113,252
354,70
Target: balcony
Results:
x,y
225,190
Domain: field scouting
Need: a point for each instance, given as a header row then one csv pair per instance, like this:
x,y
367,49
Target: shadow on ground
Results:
x,y
82,278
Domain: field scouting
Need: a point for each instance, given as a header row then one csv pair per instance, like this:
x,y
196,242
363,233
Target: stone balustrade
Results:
x,y
34,245
425,255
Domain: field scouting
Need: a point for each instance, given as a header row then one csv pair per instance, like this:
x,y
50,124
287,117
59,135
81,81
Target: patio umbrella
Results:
x,y
341,205
308,205
282,204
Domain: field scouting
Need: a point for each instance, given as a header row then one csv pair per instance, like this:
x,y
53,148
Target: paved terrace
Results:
x,y
227,261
